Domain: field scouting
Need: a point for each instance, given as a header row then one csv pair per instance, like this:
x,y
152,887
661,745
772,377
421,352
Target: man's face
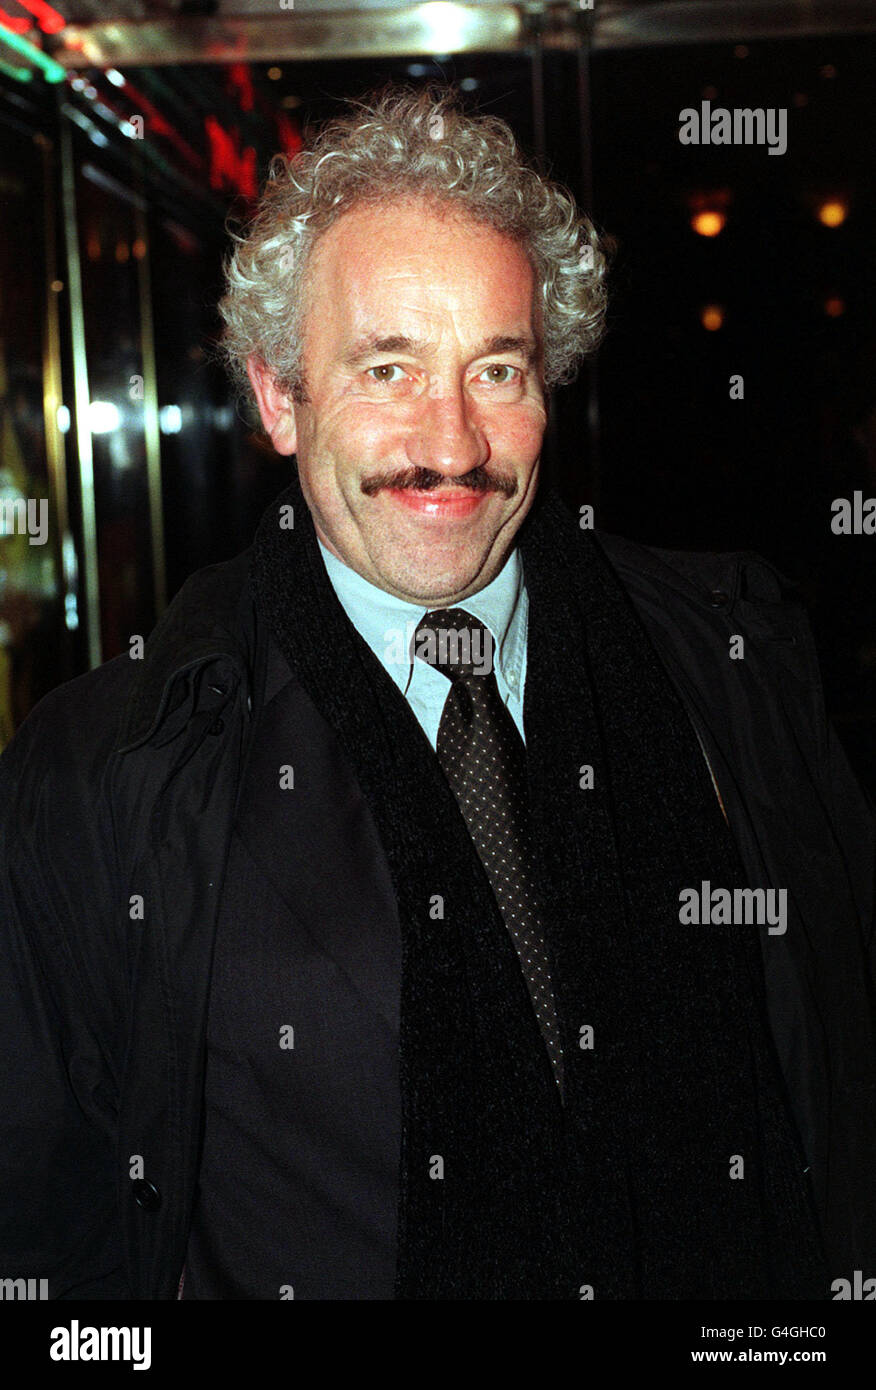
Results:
x,y
418,445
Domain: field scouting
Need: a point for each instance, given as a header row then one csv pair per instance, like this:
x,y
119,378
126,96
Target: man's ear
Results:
x,y
275,408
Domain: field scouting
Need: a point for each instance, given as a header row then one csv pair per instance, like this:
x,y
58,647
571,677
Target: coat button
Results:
x,y
146,1195
719,598
217,726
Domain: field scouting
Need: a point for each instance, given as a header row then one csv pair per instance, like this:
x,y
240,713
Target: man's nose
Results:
x,y
447,436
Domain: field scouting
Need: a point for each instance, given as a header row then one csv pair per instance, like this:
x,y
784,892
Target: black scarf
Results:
x,y
625,1189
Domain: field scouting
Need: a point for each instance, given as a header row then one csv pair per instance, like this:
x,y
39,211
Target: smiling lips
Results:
x,y
442,503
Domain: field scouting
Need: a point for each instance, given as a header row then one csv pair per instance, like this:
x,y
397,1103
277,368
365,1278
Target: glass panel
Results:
x,y
32,635
110,251
195,415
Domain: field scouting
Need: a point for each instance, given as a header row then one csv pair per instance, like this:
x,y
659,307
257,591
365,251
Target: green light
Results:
x,y
19,74
52,71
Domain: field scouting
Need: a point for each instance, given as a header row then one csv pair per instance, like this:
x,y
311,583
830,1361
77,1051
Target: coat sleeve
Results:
x,y
854,817
59,1020
849,806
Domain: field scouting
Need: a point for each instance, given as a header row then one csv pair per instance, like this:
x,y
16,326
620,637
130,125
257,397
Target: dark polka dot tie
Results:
x,y
484,760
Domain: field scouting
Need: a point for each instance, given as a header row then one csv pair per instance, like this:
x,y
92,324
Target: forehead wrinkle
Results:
x,y
359,276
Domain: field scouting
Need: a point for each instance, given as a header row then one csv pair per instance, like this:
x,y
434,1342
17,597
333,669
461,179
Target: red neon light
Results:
x,y
13,24
240,80
288,134
227,165
158,125
48,19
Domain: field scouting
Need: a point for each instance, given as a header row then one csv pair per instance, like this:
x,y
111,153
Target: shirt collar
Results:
x,y
387,623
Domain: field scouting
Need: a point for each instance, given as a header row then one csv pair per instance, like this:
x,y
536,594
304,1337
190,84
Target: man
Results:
x,y
349,936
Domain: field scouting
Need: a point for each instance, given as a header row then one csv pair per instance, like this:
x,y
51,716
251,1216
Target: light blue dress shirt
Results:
x,y
388,624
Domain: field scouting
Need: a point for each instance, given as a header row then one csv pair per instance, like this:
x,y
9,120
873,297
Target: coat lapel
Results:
x,y
317,844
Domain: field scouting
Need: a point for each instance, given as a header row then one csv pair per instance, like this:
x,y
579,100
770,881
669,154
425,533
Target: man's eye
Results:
x,y
500,373
383,373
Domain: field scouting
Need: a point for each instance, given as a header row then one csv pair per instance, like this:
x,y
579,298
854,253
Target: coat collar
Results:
x,y
211,618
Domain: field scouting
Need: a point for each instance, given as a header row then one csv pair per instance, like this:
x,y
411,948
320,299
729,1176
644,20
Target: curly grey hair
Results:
x,y
405,142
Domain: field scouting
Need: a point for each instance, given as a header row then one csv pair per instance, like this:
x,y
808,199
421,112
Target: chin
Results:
x,y
429,587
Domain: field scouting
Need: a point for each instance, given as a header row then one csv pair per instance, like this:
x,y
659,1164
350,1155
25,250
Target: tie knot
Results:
x,y
454,642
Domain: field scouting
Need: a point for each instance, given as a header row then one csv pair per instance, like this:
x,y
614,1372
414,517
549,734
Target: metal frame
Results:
x,y
151,432
53,391
591,366
423,29
84,452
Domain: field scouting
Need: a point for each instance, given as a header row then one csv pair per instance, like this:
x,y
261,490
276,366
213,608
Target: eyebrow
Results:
x,y
374,345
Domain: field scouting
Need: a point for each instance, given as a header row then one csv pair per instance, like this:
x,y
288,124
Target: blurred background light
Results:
x,y
833,212
712,317
103,417
710,222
